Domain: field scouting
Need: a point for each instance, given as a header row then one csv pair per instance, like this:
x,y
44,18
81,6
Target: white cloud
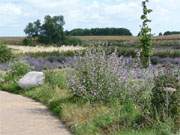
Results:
x,y
9,14
9,8
91,13
87,14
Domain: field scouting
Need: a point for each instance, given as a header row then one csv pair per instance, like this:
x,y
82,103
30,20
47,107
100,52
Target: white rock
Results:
x,y
32,79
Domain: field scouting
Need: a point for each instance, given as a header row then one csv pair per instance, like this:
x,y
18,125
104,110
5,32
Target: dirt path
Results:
x,y
23,116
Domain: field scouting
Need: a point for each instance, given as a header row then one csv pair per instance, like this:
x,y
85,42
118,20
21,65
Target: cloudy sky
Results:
x,y
15,14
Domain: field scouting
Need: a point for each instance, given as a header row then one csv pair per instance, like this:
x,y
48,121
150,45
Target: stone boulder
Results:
x,y
31,79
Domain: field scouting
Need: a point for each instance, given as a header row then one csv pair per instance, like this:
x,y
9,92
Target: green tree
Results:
x,y
52,30
33,29
145,35
29,30
37,28
160,34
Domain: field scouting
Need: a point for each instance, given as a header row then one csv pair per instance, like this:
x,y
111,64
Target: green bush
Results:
x,y
72,41
165,97
10,86
9,81
17,70
28,41
56,79
5,53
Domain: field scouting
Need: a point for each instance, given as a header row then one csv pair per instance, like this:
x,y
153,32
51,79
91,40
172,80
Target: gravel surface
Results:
x,y
23,116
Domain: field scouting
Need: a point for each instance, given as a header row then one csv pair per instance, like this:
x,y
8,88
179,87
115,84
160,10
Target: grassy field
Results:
x,y
12,40
126,38
18,40
164,46
107,38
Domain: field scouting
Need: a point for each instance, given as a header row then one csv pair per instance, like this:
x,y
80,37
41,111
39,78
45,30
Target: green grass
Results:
x,y
136,132
79,116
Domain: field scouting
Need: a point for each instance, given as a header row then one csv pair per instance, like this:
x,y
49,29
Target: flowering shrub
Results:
x,y
93,79
97,76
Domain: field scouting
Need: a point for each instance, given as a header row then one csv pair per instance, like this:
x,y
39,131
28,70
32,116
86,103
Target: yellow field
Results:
x,y
28,49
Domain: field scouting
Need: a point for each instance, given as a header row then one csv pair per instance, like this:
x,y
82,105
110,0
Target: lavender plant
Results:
x,y
93,79
98,77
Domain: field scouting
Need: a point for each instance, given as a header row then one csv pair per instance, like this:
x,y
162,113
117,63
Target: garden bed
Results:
x,y
82,117
58,62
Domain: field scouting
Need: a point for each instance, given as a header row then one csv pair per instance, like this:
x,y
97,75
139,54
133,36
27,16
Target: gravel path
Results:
x,y
23,116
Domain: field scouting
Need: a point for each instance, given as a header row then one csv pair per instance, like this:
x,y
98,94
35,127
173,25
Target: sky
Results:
x,y
16,14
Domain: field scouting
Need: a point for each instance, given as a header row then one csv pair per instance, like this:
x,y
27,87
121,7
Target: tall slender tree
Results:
x,y
145,35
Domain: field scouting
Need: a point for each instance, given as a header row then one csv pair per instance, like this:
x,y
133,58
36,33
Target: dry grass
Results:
x,y
12,40
125,38
2,73
81,114
38,49
18,40
170,37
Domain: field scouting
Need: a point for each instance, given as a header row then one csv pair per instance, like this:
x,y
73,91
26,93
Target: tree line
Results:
x,y
99,32
169,33
51,31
